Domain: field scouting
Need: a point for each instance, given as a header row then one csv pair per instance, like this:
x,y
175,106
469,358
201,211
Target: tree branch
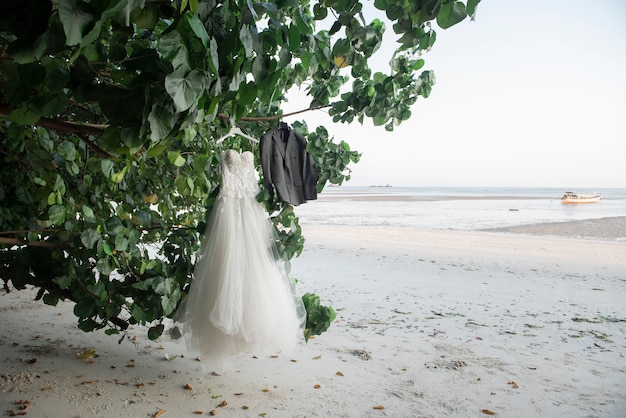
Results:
x,y
83,131
275,117
17,241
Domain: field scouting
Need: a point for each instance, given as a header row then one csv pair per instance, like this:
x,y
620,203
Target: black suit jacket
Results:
x,y
287,165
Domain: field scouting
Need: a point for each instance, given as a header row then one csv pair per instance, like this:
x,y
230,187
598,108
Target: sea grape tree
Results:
x,y
109,115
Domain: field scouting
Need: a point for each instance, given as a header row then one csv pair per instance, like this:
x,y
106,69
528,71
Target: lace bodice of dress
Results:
x,y
239,178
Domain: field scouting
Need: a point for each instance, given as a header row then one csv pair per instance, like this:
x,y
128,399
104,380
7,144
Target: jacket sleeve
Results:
x,y
309,173
265,154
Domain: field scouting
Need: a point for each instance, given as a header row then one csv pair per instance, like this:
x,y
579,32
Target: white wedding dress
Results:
x,y
241,299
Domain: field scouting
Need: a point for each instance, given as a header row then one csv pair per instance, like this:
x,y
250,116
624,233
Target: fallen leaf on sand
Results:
x,y
265,390
317,357
86,353
379,407
159,413
339,374
197,412
488,412
223,404
316,386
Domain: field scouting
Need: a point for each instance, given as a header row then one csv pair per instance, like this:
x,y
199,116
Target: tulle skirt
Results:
x,y
241,299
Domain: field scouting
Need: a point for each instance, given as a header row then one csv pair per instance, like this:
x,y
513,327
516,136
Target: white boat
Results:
x,y
574,197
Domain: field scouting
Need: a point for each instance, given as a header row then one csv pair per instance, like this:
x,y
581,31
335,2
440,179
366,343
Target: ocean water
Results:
x,y
449,208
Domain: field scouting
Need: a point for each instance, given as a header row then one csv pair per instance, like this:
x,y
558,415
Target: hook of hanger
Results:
x,y
235,130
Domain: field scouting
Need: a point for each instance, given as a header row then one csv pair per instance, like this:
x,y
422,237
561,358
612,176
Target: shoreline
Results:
x,y
607,229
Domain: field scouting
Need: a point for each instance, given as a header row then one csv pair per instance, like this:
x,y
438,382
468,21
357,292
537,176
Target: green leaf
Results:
x,y
184,90
88,213
175,158
107,248
144,218
64,282
113,225
84,308
24,115
471,7
294,38
260,68
119,176
198,28
157,150
138,314
168,303
90,237
144,285
87,325
161,119
246,39
155,332
56,214
450,14
106,265
51,300
67,150
121,242
75,19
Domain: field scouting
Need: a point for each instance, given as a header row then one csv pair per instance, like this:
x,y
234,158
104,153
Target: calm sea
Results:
x,y
453,208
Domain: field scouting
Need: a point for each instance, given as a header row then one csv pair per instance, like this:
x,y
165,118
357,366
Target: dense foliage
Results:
x,y
109,115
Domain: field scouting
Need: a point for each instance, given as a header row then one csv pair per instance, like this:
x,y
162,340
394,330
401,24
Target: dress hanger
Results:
x,y
235,130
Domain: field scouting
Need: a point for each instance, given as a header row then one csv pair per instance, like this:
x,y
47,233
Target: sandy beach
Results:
x,y
429,324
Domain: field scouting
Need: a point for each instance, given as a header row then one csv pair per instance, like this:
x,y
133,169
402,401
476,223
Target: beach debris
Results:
x,y
472,322
339,374
360,353
187,386
213,412
396,310
446,364
197,412
169,358
591,321
317,386
222,404
488,412
513,384
22,405
245,407
317,357
379,407
159,413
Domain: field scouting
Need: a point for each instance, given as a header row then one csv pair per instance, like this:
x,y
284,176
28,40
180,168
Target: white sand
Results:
x,y
430,324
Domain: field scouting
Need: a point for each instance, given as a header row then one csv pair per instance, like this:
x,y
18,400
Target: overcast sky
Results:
x,y
532,93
